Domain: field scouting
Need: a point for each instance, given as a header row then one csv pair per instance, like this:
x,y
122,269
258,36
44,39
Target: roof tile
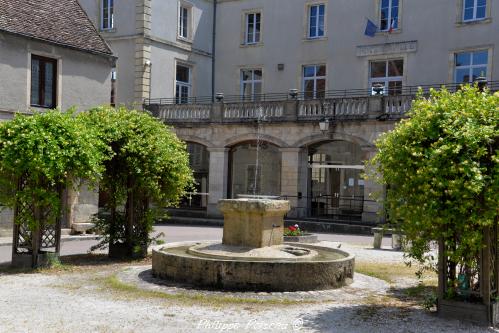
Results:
x,y
62,22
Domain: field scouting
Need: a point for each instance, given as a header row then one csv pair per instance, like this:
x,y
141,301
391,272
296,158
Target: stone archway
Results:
x,y
199,161
336,187
254,169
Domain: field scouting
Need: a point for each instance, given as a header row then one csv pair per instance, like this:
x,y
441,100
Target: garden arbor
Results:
x,y
145,164
40,155
442,165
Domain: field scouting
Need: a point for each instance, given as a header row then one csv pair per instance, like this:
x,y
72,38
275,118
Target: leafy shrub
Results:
x,y
145,164
442,169
45,151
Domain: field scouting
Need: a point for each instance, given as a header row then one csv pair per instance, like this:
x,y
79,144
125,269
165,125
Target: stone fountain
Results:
x,y
252,255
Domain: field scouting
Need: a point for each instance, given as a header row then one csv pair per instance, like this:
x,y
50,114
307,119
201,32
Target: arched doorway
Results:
x,y
255,169
199,161
336,185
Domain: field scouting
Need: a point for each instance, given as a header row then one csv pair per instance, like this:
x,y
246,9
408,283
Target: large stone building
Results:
x,y
262,137
51,56
152,51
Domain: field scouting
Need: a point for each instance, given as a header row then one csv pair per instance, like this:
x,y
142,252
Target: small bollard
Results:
x,y
396,241
378,237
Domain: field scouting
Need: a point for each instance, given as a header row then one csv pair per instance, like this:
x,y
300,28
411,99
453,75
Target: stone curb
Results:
x,y
7,241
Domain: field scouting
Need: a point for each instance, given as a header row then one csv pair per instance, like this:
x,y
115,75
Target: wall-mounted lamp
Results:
x,y
147,63
481,82
219,97
293,93
324,125
378,89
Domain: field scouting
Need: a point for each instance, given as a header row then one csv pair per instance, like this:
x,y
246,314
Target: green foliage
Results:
x,y
46,150
145,163
441,166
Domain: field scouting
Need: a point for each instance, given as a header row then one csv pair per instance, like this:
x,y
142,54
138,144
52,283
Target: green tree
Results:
x,y
40,156
442,171
146,164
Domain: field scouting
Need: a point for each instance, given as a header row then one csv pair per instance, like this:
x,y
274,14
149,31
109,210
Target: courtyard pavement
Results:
x,y
93,294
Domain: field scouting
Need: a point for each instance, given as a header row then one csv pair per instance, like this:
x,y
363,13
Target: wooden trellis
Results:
x,y
474,287
32,247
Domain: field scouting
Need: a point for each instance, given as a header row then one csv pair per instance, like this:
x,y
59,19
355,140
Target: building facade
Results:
x,y
54,59
164,48
301,44
295,117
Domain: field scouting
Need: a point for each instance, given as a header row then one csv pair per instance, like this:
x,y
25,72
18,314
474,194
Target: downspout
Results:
x,y
213,47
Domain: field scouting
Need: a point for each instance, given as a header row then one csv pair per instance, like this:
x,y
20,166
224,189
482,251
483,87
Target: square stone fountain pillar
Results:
x,y
253,222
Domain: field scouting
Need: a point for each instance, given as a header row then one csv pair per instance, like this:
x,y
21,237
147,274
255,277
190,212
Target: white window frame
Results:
x,y
471,66
253,33
475,9
386,79
109,4
315,29
181,84
390,6
252,81
184,19
314,78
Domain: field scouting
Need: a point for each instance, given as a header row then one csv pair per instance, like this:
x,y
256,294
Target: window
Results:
x,y
470,65
107,14
43,82
389,73
251,84
389,15
183,22
316,21
183,84
474,10
314,81
253,25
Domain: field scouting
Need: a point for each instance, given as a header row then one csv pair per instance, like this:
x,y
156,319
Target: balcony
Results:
x,y
337,106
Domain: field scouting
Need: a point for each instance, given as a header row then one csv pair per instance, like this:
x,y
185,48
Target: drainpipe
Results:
x,y
213,50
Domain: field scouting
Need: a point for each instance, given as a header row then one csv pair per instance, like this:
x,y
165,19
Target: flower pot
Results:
x,y
305,238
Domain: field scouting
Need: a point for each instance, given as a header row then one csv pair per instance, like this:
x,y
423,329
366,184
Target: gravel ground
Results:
x,y
79,301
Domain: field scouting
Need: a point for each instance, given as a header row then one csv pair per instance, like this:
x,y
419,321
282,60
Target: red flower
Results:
x,y
291,228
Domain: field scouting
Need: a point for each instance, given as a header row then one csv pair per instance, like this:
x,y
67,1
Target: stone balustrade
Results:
x,y
257,110
339,109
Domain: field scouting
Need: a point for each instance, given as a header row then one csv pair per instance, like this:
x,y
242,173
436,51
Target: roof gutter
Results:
x,y
99,53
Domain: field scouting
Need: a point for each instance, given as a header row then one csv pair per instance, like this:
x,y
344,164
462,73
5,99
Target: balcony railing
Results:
x,y
344,105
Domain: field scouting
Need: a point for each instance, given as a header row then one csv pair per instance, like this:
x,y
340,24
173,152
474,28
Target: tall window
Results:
x,y
183,22
470,65
43,82
389,73
474,10
389,15
183,84
253,24
107,14
314,81
251,84
316,21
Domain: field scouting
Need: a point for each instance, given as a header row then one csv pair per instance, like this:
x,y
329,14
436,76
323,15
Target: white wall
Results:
x,y
84,79
433,24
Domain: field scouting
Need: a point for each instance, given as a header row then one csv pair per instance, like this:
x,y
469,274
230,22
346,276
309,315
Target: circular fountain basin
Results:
x,y
286,267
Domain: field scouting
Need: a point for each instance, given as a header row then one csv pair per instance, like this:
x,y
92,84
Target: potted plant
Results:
x,y
295,234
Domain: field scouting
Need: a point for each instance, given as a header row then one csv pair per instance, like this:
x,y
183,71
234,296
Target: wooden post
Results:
x,y
442,271
485,267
